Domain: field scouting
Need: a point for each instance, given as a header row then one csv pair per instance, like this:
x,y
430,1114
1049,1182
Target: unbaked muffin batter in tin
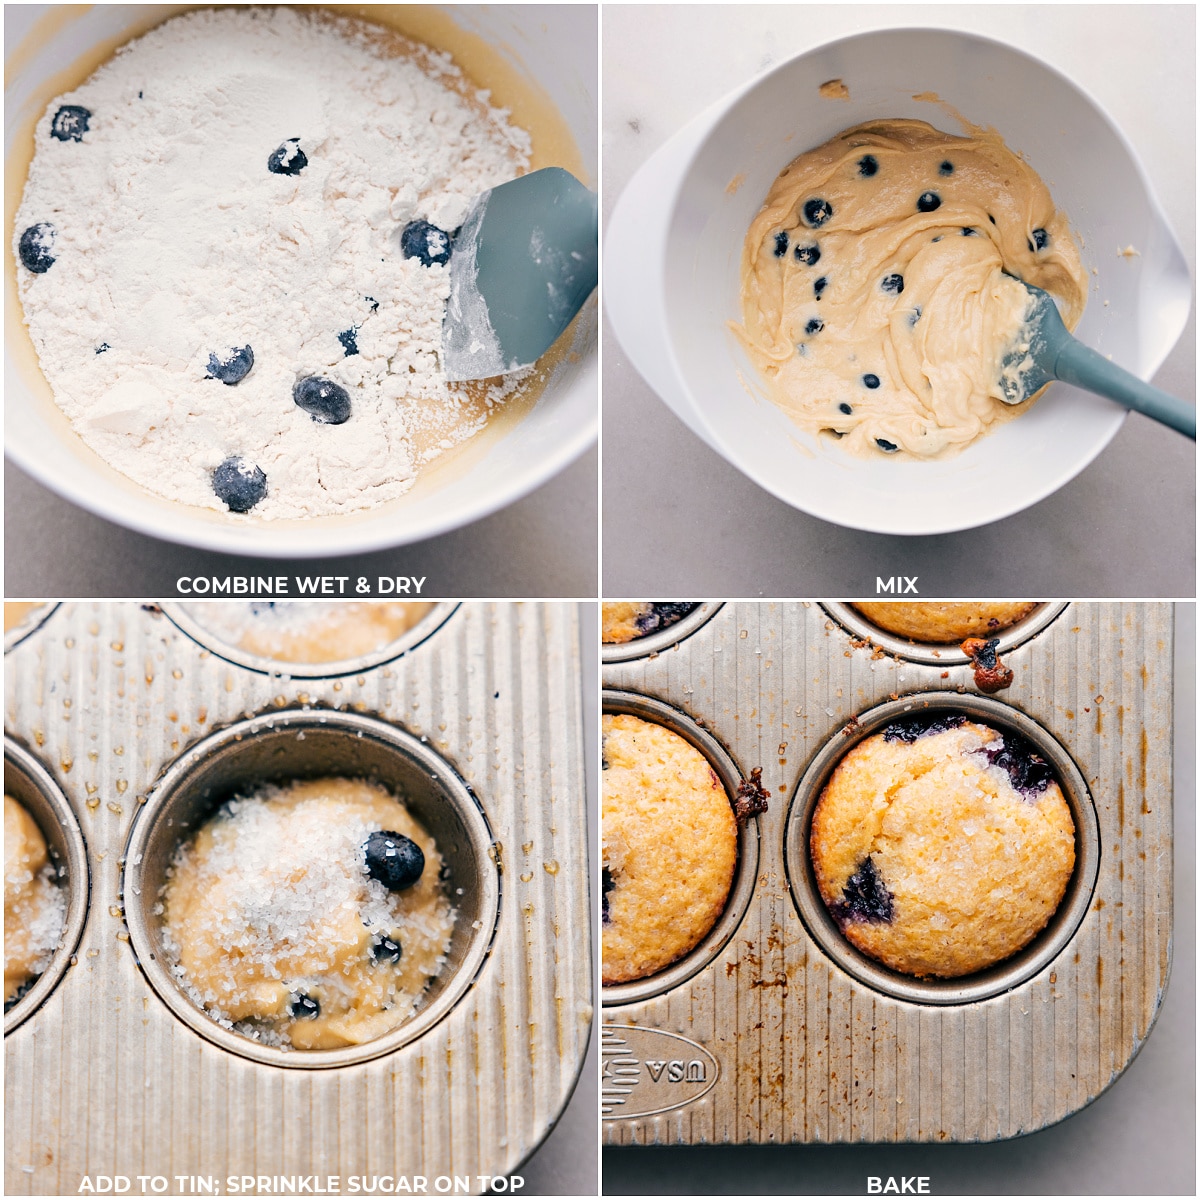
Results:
x,y
789,1035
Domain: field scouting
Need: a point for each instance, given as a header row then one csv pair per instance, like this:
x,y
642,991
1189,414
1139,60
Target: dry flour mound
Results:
x,y
172,241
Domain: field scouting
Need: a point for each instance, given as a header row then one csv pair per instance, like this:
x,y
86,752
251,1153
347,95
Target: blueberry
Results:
x,y
871,381
663,613
385,950
393,859
845,408
893,284
303,1006
928,201
967,231
808,255
230,365
606,886
868,165
908,729
287,159
819,286
814,326
914,316
1041,239
426,242
35,246
349,340
372,302
817,212
70,123
864,898
781,243
885,445
100,349
946,168
240,484
1029,772
323,400
991,218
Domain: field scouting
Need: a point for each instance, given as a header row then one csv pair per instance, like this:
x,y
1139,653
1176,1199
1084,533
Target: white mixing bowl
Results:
x,y
554,46
673,251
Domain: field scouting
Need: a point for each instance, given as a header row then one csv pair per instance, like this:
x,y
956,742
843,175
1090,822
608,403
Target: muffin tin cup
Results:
x,y
26,780
29,624
1045,947
412,637
660,640
944,654
742,887
280,747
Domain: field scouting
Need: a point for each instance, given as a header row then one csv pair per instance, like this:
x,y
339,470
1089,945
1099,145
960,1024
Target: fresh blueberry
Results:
x,y
991,218
662,614
1029,772
886,446
928,201
843,407
781,243
871,381
35,246
819,286
914,316
814,326
100,349
393,859
908,729
230,365
303,1006
372,302
385,950
349,340
70,123
893,284
241,485
426,242
864,898
808,255
946,168
1040,240
868,165
606,886
967,231
287,158
817,212
323,400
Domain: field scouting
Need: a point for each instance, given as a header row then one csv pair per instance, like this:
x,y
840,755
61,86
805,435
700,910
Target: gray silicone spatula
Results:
x,y
1055,354
523,263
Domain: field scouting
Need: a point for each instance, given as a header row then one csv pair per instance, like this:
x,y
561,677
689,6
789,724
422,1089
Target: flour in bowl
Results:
x,y
232,248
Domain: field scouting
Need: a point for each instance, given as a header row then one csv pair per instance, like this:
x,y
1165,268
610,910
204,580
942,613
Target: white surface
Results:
x,y
715,532
555,47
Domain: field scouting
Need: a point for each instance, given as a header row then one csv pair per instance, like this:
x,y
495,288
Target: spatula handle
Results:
x,y
1082,366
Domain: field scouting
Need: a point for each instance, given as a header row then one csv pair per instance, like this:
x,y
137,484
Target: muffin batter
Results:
x,y
945,623
284,923
669,848
942,846
877,302
309,631
15,611
35,907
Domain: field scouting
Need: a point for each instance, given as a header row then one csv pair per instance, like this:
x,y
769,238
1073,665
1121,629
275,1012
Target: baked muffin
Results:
x,y
627,620
942,846
669,847
945,623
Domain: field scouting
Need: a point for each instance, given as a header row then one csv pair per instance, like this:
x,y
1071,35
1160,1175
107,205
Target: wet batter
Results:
x,y
34,905
877,297
311,915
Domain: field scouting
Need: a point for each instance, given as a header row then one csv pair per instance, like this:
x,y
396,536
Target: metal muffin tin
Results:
x,y
784,1036
662,639
480,728
28,781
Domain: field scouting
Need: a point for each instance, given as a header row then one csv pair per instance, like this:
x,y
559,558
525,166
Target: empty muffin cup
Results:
x,y
945,654
709,946
1026,962
286,747
661,638
34,788
209,624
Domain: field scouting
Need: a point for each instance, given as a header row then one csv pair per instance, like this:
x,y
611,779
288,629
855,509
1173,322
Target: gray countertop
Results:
x,y
679,520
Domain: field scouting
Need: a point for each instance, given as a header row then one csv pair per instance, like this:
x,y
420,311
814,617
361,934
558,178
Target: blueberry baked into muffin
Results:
x,y
945,624
627,620
942,846
669,847
309,916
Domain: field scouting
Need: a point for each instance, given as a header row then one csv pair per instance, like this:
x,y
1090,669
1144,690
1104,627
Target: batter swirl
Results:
x,y
878,302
